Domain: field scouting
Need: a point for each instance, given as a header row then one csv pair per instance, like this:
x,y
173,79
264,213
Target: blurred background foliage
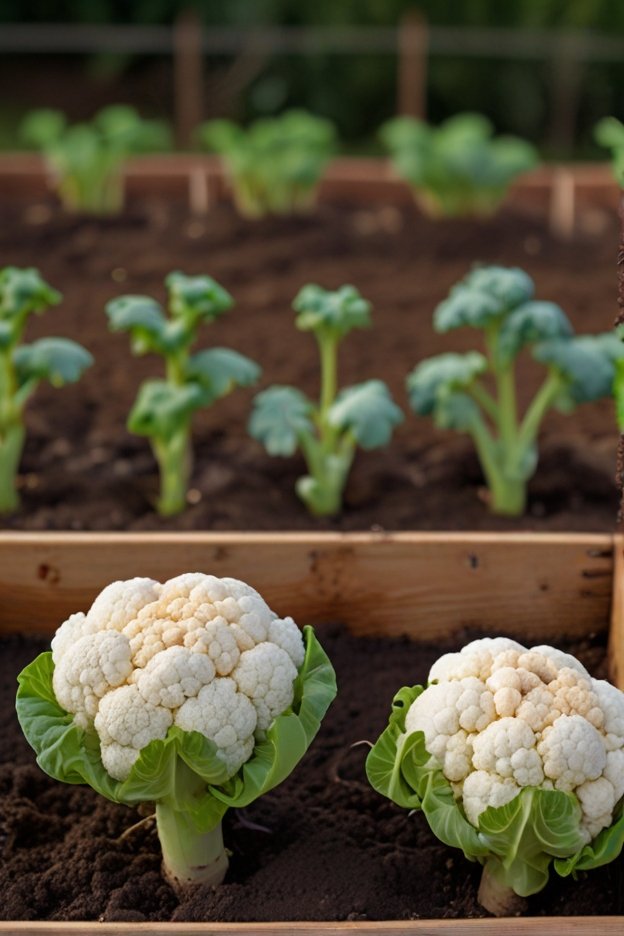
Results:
x,y
357,91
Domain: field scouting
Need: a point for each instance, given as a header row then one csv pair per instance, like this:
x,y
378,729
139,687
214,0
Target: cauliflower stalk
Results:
x,y
514,755
191,695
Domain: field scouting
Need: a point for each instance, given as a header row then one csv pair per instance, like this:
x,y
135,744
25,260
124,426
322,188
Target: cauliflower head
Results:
x,y
516,756
203,653
498,717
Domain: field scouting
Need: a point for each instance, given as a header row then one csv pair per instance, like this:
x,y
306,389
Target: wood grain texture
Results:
x,y
616,635
421,584
521,926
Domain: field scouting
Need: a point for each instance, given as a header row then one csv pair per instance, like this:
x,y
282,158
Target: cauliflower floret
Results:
x,y
174,675
611,701
507,748
224,715
218,641
125,719
287,635
537,708
68,634
538,664
266,675
614,772
187,604
505,685
572,751
482,789
89,669
475,659
436,714
560,659
120,602
574,695
597,799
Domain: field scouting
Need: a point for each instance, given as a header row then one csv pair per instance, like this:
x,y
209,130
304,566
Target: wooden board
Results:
x,y
521,926
420,584
616,636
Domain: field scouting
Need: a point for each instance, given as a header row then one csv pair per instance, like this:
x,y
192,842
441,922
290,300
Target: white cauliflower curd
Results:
x,y
199,652
498,717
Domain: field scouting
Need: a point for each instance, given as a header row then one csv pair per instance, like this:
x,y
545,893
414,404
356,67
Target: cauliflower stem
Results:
x,y
495,895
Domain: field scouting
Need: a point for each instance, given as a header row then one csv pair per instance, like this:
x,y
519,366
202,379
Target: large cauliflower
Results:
x,y
192,696
144,655
503,724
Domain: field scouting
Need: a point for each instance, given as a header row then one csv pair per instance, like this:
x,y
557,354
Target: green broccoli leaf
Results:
x,y
368,412
42,127
585,364
219,370
58,360
445,371
529,323
618,391
161,408
196,299
23,291
332,313
455,410
143,317
280,416
509,286
383,764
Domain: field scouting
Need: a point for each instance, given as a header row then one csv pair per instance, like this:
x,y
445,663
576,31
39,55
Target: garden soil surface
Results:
x,y
323,846
83,470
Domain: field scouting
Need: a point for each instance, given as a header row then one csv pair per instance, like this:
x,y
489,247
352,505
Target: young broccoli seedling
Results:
x,y
327,433
164,409
459,168
452,387
513,756
86,160
191,696
275,165
609,132
24,366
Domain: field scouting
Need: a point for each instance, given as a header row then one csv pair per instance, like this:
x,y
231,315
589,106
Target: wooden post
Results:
x,y
187,75
567,76
562,209
413,42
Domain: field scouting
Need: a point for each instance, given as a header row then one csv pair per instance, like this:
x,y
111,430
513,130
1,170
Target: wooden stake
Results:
x,y
187,75
413,42
562,207
199,191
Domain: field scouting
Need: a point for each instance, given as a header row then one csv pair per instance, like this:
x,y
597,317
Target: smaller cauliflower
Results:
x,y
522,729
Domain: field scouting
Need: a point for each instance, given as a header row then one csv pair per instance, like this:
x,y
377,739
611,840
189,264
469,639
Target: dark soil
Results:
x,y
83,470
331,848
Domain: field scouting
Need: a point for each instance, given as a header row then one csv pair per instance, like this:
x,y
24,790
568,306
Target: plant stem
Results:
x,y
496,896
189,857
174,461
542,401
328,347
11,446
507,488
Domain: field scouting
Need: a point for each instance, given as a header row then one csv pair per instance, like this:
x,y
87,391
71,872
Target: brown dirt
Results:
x,y
333,849
83,470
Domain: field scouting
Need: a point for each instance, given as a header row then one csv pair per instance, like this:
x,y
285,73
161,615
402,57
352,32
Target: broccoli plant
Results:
x,y
86,160
23,366
453,387
609,132
275,165
164,409
515,756
191,695
328,433
459,168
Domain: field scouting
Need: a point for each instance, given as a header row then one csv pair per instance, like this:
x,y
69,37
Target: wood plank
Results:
x,y
422,584
616,635
520,926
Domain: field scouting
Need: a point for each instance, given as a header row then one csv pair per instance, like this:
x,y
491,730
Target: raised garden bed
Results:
x,y
83,470
391,595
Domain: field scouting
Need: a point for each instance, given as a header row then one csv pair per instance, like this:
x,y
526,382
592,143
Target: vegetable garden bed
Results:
x,y
391,596
83,470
